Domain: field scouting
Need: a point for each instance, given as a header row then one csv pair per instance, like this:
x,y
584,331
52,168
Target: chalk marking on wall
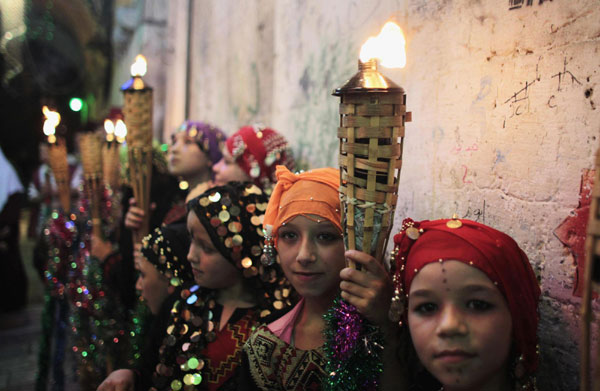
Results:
x,y
459,148
472,213
465,172
565,72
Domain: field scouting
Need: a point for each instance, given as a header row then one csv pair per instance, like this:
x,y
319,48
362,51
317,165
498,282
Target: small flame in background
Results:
x,y
139,67
120,130
50,124
389,47
109,128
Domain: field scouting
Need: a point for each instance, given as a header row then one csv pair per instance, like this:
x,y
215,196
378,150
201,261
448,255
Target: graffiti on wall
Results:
x,y
516,4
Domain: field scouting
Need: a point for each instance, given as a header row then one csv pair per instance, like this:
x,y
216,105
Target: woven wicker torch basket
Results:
x,y
90,145
372,118
137,110
57,156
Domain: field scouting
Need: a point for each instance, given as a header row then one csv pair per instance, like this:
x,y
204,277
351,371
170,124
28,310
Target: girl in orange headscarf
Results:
x,y
303,232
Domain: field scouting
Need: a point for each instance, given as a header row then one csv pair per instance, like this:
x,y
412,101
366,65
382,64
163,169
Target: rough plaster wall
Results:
x,y
232,59
140,28
502,124
502,130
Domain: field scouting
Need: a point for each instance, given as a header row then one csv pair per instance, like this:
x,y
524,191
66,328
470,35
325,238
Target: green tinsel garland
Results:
x,y
353,349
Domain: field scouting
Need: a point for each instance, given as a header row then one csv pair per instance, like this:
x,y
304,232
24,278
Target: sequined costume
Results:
x,y
202,357
165,248
195,353
272,362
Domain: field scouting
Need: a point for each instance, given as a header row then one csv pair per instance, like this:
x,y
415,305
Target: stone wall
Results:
x,y
504,125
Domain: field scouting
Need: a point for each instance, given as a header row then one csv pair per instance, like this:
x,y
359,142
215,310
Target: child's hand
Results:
x,y
101,249
119,380
135,215
370,289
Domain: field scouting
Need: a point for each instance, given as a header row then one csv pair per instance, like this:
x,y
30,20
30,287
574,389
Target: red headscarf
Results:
x,y
491,251
258,151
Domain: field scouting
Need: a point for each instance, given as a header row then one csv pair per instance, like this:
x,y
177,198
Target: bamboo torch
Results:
x,y
110,157
591,279
57,156
90,145
137,110
372,118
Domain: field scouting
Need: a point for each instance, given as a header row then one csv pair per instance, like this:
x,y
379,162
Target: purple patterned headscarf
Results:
x,y
209,138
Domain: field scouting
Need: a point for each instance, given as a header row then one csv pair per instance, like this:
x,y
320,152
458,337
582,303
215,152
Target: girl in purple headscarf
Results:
x,y
195,148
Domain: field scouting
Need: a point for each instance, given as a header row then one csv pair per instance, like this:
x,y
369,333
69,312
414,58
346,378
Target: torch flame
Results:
x,y
388,47
120,130
51,122
139,67
109,128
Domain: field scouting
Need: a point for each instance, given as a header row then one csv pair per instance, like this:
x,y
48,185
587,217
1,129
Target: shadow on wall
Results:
x,y
556,347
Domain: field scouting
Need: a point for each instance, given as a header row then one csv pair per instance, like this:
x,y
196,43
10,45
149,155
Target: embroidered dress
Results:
x,y
274,363
194,353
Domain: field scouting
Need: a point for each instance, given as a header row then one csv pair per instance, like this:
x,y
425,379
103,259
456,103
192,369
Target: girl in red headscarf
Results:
x,y
472,304
303,233
251,154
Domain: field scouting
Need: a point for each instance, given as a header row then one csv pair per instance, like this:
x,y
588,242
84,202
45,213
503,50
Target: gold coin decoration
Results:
x,y
256,250
246,262
412,233
235,227
204,201
255,220
454,223
215,197
224,216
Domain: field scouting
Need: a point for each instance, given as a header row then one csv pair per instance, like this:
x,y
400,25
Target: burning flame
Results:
x,y
109,128
139,67
120,130
388,47
50,124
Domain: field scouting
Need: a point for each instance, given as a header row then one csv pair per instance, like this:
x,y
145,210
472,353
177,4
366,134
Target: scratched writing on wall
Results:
x,y
519,102
516,4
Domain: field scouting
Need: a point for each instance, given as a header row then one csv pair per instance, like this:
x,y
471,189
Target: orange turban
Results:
x,y
313,192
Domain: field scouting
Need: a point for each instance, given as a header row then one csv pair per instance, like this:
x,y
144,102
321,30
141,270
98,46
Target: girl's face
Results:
x,y
227,170
460,325
185,157
311,255
211,269
154,287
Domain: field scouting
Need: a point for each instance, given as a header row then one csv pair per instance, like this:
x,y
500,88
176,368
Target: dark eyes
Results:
x,y
474,305
479,305
327,237
289,235
425,308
